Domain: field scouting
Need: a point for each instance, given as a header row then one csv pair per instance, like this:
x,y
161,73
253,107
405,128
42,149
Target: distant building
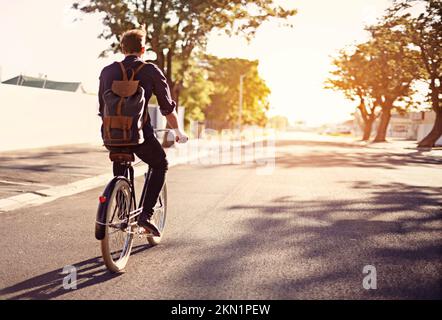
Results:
x,y
342,128
411,125
44,83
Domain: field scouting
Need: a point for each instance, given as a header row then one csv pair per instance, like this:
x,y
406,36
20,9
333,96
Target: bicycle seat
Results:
x,y
121,157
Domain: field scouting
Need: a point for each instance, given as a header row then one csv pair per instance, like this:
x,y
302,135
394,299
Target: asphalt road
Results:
x,y
305,231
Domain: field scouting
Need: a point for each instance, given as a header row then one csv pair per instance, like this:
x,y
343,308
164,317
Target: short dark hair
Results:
x,y
133,40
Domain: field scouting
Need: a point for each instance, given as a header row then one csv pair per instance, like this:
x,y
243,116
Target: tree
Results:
x,y
175,28
393,69
380,74
425,32
196,92
428,37
223,111
351,77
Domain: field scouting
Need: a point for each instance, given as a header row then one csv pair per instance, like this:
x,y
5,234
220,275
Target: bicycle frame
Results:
x,y
129,176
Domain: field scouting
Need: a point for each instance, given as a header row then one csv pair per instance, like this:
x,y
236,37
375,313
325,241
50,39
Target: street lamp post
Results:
x,y
44,81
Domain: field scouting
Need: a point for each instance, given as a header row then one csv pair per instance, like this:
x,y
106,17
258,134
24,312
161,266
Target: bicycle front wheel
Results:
x,y
159,216
117,242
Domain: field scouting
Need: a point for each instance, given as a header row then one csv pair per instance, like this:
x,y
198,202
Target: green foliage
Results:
x,y
196,92
180,26
352,76
382,69
425,33
211,92
223,112
380,72
176,29
394,64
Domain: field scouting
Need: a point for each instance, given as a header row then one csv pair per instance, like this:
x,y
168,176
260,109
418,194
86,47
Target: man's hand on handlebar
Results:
x,y
180,136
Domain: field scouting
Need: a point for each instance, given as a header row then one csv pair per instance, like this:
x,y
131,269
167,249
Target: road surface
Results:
x,y
305,231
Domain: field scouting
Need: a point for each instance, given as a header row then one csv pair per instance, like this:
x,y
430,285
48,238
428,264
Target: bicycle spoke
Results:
x,y
119,240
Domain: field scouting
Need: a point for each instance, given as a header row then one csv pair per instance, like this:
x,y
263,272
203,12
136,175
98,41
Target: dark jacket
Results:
x,y
151,79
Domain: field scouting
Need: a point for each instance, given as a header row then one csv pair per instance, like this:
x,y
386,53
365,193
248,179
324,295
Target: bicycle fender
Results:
x,y
100,228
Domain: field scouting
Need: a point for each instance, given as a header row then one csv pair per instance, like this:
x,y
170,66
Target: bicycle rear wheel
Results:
x,y
117,243
159,216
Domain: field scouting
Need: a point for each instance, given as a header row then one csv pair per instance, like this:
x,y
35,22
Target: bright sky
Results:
x,y
293,62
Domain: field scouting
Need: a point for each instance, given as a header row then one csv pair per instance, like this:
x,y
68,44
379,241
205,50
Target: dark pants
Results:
x,y
151,152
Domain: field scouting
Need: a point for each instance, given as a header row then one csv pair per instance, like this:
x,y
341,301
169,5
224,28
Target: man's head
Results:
x,y
133,42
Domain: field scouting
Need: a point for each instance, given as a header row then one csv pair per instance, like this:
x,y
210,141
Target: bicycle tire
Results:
x,y
159,216
119,206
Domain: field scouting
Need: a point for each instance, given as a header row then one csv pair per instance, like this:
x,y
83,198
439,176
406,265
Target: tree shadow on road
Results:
x,y
51,159
348,155
317,143
50,285
50,152
40,168
312,154
317,249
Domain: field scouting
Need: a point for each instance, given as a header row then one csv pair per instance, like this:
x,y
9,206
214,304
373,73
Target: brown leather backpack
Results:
x,y
125,112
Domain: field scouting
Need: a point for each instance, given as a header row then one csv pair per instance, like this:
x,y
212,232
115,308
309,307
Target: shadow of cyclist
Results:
x,y
50,285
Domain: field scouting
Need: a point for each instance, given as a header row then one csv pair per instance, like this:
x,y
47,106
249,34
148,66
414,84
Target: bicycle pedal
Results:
x,y
143,233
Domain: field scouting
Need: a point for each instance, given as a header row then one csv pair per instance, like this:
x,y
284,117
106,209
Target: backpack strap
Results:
x,y
139,67
123,71
146,114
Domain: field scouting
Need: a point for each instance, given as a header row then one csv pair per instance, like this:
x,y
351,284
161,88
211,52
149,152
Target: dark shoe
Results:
x,y
149,226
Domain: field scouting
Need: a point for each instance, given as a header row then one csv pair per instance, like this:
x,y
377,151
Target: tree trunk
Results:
x,y
169,67
430,140
367,118
383,126
167,141
175,88
368,125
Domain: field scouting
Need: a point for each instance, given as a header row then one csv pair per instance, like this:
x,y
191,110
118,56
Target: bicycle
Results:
x,y
117,214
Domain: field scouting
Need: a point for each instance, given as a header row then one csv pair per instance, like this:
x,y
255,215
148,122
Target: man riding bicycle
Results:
x,y
153,81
